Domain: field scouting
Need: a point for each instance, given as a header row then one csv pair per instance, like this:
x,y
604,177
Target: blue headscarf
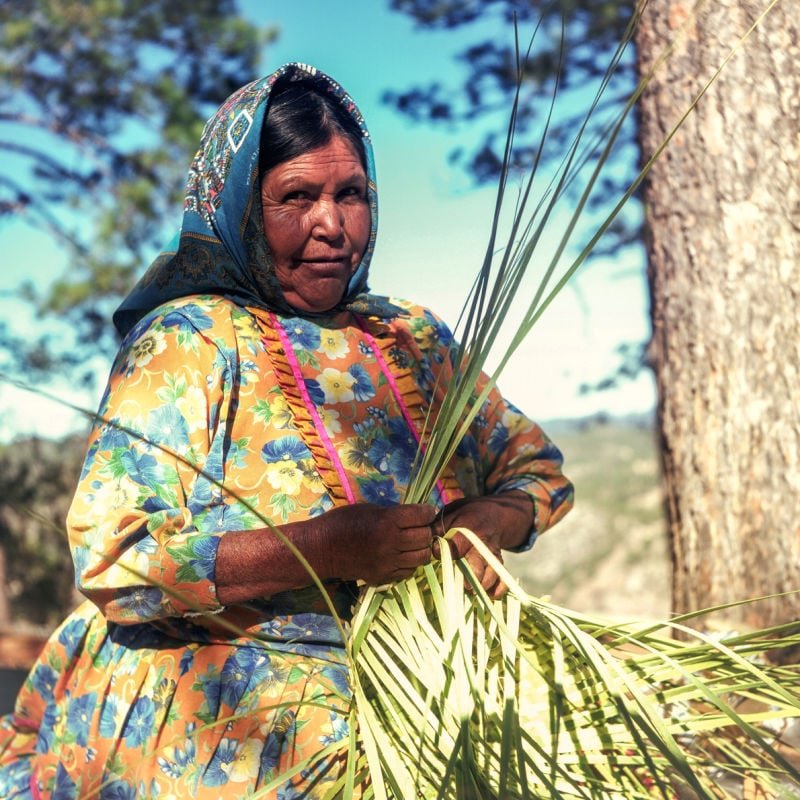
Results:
x,y
220,248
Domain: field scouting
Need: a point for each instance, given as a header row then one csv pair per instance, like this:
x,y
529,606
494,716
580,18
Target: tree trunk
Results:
x,y
723,220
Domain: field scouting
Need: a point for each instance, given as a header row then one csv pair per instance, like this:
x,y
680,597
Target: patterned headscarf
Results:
x,y
221,248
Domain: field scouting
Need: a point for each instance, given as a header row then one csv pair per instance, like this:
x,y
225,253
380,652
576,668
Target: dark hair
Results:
x,y
302,116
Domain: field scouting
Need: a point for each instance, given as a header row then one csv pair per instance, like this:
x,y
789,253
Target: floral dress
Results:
x,y
217,417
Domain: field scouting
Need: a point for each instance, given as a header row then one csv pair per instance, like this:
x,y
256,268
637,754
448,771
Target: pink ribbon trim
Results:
x,y
294,365
398,397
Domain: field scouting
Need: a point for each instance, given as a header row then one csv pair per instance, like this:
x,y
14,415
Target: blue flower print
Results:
x,y
152,505
325,504
215,462
445,335
108,717
187,319
246,666
311,628
559,496
118,790
270,755
222,518
16,779
291,792
167,426
401,437
72,633
187,659
400,463
363,429
302,333
399,357
143,601
44,680
314,391
141,468
112,437
287,448
79,716
395,455
216,773
170,768
389,460
378,413
139,725
426,378
468,448
189,748
80,558
237,453
379,454
380,492
201,495
337,674
435,334
64,787
209,684
147,544
339,729
498,438
223,358
203,558
362,388
47,731
138,329
88,462
183,756
550,453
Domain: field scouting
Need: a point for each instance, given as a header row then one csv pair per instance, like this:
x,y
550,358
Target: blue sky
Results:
x,y
433,224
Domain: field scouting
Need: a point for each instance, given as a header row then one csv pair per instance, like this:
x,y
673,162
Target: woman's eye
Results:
x,y
296,196
355,192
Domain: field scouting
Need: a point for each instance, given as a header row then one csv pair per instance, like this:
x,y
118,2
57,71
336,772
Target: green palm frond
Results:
x,y
469,697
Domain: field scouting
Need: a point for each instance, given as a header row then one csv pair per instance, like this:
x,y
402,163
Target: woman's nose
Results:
x,y
328,220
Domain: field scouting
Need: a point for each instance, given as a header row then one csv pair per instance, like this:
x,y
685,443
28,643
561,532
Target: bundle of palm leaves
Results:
x,y
460,696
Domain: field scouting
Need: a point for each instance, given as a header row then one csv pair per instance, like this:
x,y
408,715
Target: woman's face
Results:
x,y
317,223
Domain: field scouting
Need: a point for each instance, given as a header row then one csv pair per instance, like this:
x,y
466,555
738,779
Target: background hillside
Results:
x,y
610,554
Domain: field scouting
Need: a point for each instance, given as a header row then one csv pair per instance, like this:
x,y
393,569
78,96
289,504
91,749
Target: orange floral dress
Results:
x,y
215,418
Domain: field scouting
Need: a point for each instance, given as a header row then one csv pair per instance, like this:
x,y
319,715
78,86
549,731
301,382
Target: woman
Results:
x,y
258,379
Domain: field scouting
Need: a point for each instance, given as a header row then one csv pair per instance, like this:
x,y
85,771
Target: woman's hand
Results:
x,y
365,542
501,521
379,545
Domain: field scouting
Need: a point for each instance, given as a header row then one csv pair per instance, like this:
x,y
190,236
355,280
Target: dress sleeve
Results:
x,y
142,536
515,453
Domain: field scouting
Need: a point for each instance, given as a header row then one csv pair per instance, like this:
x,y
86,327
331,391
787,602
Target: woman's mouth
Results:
x,y
325,265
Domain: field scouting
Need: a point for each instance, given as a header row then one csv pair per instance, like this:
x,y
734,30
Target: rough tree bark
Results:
x,y
723,220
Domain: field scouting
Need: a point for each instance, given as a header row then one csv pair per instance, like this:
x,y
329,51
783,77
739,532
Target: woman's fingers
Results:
x,y
485,574
415,539
416,515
